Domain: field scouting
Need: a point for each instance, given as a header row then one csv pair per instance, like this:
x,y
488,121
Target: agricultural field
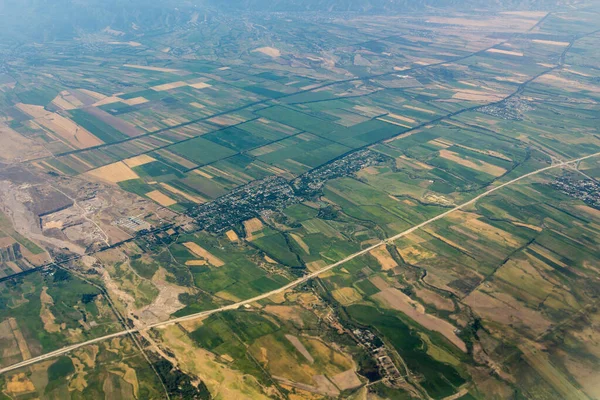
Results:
x,y
300,201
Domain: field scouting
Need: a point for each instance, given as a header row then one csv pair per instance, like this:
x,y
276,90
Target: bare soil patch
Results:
x,y
161,198
384,258
397,300
300,347
252,226
113,173
269,51
476,165
346,380
200,252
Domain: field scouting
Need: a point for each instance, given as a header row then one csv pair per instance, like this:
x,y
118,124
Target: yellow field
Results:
x,y
479,165
346,295
507,52
401,118
200,85
550,42
389,121
200,252
135,101
138,160
232,236
169,86
114,173
223,382
300,242
161,198
419,109
193,199
384,258
19,384
66,129
147,68
251,226
476,95
196,263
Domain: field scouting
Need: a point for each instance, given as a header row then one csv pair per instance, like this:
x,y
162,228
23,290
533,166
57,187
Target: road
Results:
x,y
295,283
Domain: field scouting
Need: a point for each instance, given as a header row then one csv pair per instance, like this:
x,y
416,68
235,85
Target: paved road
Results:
x,y
291,284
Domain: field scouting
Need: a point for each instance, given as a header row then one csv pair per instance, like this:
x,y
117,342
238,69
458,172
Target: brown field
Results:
x,y
200,252
161,198
123,126
196,263
550,42
287,313
379,282
401,118
66,101
507,52
18,148
438,301
346,295
232,236
147,68
476,165
193,199
200,85
300,347
252,226
346,380
475,95
300,242
138,160
477,228
107,100
113,173
135,101
418,109
414,163
389,121
223,382
19,384
505,310
168,86
384,258
66,129
487,152
397,300
270,51
315,265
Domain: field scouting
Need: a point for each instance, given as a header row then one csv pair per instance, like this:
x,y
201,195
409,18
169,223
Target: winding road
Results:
x,y
290,285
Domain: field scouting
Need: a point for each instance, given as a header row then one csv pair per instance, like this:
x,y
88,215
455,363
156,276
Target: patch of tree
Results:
x,y
88,297
178,384
327,213
367,366
61,275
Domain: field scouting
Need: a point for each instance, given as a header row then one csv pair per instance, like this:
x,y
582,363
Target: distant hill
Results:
x,y
47,20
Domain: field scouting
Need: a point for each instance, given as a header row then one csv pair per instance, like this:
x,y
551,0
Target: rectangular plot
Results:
x,y
201,151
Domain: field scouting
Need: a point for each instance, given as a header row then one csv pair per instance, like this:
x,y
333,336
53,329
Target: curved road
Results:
x,y
291,284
